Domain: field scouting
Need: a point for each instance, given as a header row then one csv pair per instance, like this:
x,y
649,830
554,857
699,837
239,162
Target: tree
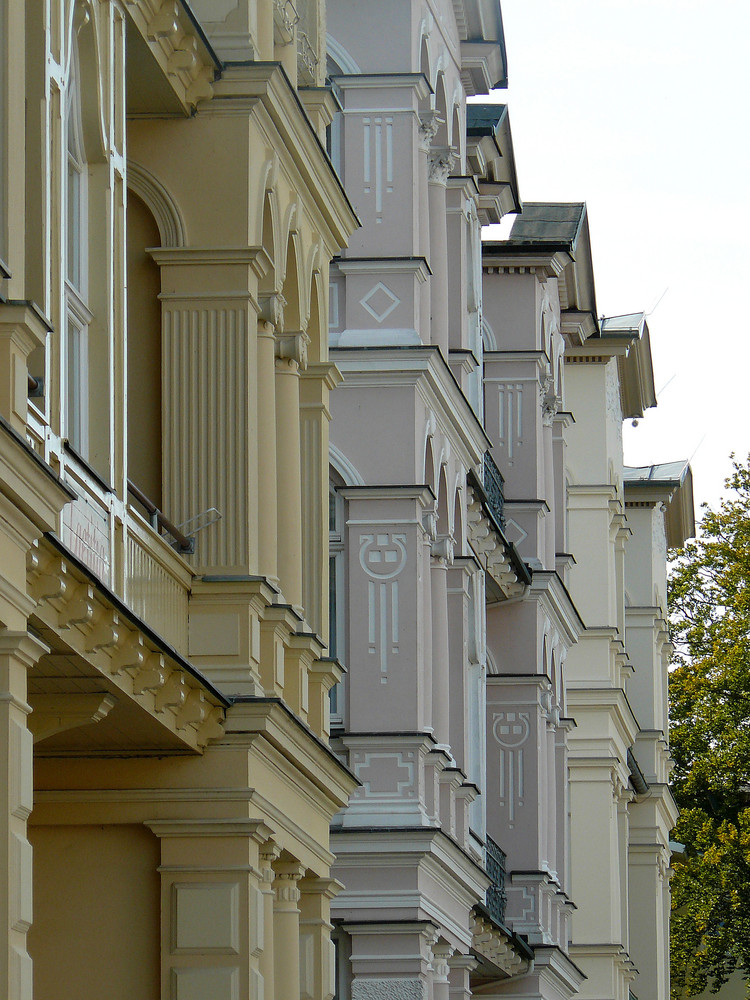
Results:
x,y
710,743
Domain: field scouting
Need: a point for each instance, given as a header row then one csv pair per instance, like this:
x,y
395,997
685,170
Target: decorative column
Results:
x,y
440,162
267,524
441,954
209,389
465,724
549,410
18,654
461,967
269,852
286,917
316,383
442,557
429,123
553,790
291,356
317,961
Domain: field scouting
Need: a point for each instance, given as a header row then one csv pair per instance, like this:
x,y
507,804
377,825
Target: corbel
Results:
x,y
165,21
56,713
212,727
152,675
173,692
52,581
201,87
130,656
79,609
105,633
185,55
193,710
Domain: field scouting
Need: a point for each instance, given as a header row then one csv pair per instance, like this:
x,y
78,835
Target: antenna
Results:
x,y
658,301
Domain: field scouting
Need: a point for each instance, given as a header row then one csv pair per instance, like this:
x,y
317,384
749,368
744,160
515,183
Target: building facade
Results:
x,y
288,714
167,217
498,576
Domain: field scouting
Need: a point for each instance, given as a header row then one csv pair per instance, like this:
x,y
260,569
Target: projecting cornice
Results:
x,y
484,63
171,66
671,484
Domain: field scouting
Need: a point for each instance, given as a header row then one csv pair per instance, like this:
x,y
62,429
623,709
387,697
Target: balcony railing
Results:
x,y
307,57
494,488
160,522
495,866
285,17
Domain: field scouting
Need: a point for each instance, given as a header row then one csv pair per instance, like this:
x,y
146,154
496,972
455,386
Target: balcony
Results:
x,y
494,488
495,866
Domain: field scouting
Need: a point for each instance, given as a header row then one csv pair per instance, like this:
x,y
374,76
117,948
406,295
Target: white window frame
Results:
x,y
75,360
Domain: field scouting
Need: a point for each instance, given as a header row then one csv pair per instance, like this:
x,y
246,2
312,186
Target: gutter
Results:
x,y
637,777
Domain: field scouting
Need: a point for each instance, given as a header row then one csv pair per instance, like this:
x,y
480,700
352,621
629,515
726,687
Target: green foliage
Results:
x,y
710,742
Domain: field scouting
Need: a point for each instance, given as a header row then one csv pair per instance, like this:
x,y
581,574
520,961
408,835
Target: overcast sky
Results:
x,y
640,108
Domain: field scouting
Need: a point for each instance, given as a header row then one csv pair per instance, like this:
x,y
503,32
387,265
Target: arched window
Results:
x,y
77,313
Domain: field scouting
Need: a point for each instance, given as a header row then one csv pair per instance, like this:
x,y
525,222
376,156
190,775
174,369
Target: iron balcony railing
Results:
x,y
494,488
159,520
494,863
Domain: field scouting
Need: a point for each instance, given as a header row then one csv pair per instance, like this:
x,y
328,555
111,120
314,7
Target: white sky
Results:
x,y
641,108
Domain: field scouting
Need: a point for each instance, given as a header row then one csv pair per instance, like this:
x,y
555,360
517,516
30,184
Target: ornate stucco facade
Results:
x,y
167,217
287,714
498,574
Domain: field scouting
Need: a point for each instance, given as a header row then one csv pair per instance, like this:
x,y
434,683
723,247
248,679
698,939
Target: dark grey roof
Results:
x,y
672,473
483,119
628,323
541,222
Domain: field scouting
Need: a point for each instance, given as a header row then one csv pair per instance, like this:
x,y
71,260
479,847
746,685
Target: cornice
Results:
x,y
509,258
296,742
423,494
384,81
384,265
29,483
547,586
254,257
422,366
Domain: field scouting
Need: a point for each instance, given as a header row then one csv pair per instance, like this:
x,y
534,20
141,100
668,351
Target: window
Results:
x,y
77,313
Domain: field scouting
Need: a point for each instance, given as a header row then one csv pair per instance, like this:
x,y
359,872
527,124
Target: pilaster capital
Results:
x,y
22,646
327,887
429,123
286,887
292,346
440,163
442,549
269,852
271,308
441,954
467,962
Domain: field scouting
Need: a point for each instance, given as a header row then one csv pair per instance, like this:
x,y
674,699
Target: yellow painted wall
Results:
x,y
96,913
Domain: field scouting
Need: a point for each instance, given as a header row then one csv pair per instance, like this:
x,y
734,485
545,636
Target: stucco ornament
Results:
x,y
441,163
429,124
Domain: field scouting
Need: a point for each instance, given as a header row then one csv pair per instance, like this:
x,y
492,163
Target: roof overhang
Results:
x,y
490,157
670,484
637,389
484,61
